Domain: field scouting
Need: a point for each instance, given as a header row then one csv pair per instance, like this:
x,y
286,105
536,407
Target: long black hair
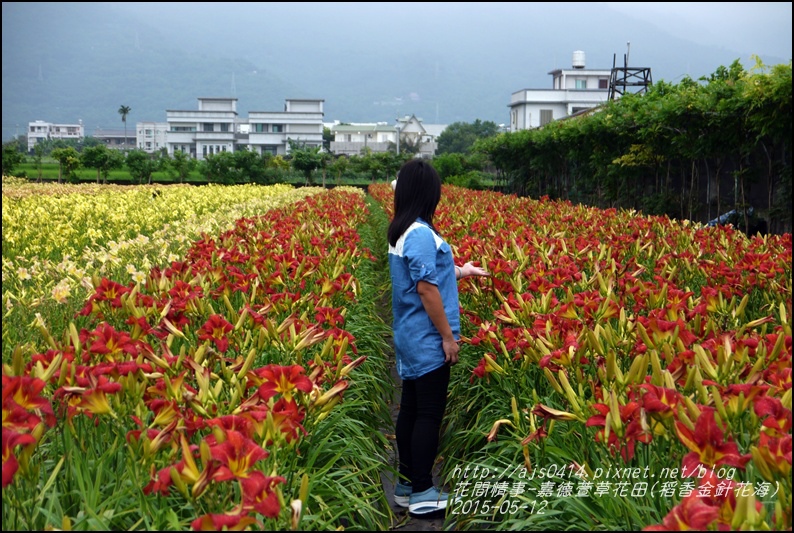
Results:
x,y
417,194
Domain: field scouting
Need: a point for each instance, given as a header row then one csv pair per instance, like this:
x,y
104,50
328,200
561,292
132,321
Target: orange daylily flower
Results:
x,y
25,392
17,418
537,435
500,266
111,343
480,371
155,439
185,291
12,439
222,522
659,399
282,379
495,429
166,411
107,291
741,396
707,444
93,398
692,513
329,315
159,482
259,494
776,453
234,423
237,455
95,401
286,418
776,418
215,329
663,330
544,411
623,434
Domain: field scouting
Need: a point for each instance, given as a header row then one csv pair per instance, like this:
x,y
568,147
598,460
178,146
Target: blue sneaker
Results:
x,y
427,502
402,493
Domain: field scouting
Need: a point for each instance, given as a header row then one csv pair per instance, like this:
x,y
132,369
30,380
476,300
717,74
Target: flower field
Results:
x,y
203,386
212,357
623,372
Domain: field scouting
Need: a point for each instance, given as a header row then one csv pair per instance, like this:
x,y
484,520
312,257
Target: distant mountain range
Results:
x,y
64,62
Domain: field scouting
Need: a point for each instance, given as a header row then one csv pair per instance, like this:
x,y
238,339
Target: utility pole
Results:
x,y
398,138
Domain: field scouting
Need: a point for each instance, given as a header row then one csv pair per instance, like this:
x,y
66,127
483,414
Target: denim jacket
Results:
x,y
421,255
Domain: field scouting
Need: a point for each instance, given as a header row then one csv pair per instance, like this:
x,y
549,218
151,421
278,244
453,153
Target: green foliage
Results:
x,y
472,179
38,155
253,166
103,159
339,166
12,157
141,166
692,150
448,164
68,162
179,166
305,159
220,168
378,166
459,137
124,110
328,138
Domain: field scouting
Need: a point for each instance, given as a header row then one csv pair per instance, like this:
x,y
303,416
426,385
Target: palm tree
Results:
x,y
124,111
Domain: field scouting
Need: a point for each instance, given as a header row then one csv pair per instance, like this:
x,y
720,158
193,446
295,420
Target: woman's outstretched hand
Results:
x,y
470,269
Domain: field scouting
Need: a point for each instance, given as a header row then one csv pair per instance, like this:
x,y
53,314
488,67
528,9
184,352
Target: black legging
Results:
x,y
422,406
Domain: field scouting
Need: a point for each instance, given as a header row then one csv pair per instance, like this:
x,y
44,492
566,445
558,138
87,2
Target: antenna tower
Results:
x,y
624,78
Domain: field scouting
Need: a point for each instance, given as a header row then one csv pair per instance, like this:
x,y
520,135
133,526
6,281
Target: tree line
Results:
x,y
312,164
715,150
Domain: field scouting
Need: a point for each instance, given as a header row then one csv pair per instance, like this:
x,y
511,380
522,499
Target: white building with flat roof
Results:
x,y
208,130
573,90
301,121
151,137
40,131
215,127
357,138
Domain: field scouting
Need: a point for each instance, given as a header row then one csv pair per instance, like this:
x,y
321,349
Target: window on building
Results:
x,y
224,127
575,110
204,149
260,128
581,84
546,116
278,128
207,126
349,137
603,84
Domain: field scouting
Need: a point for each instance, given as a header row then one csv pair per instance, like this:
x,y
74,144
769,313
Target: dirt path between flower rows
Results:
x,y
402,521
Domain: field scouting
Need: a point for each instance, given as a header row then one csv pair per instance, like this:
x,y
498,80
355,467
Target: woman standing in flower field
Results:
x,y
426,330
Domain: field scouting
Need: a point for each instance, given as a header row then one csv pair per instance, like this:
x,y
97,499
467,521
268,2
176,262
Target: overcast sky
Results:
x,y
756,27
369,61
747,27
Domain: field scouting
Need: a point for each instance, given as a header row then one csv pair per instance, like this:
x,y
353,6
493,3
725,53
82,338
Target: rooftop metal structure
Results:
x,y
627,79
